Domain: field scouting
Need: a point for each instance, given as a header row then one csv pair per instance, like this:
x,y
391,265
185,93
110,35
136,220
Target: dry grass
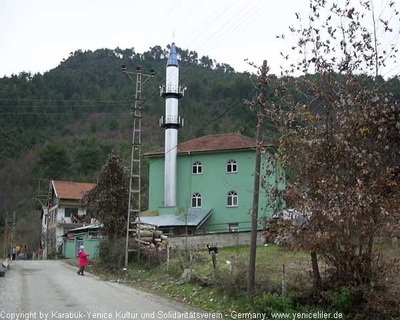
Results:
x,y
225,289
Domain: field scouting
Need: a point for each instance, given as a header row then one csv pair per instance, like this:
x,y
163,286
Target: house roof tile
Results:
x,y
227,141
71,190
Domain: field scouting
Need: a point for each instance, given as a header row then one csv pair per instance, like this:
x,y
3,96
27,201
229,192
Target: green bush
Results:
x,y
343,300
270,303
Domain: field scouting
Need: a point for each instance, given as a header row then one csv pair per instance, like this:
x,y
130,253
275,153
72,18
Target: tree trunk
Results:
x,y
214,261
315,269
180,260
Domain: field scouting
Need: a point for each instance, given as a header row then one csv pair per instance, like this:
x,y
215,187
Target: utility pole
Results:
x,y
13,229
42,195
5,237
262,79
135,165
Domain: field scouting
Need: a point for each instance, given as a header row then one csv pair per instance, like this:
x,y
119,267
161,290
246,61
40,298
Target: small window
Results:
x,y
94,235
196,200
232,199
197,168
231,166
233,227
69,212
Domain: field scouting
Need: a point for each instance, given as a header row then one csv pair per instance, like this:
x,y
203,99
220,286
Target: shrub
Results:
x,y
270,303
343,300
112,254
232,284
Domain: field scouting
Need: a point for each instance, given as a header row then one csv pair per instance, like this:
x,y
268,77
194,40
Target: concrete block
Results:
x,y
5,264
2,271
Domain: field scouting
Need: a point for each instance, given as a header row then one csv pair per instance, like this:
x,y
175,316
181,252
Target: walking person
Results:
x,y
83,260
14,253
40,253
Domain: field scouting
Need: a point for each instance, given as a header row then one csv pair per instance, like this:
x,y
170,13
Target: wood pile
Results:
x,y
149,235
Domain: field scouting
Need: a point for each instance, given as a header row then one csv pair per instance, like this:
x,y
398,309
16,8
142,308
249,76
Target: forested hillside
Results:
x,y
62,124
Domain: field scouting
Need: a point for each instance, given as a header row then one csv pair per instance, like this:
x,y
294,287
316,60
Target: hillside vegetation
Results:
x,y
62,124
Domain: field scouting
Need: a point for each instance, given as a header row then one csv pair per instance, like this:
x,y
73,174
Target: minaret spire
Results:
x,y
171,92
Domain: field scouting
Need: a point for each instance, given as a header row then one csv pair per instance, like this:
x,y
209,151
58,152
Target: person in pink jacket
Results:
x,y
83,260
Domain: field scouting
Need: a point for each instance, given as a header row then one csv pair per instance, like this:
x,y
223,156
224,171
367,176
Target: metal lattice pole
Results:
x,y
5,248
13,229
135,165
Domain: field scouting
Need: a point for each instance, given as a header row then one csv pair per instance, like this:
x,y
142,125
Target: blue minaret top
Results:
x,y
173,57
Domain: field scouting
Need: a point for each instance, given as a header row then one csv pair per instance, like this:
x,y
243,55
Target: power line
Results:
x,y
190,12
222,114
80,160
224,11
226,24
258,9
182,71
63,106
61,113
66,100
215,119
115,113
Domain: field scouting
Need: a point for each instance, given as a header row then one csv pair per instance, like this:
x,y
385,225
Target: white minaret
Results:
x,y
172,91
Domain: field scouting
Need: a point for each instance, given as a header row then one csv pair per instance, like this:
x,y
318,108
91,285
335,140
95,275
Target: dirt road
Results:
x,y
53,290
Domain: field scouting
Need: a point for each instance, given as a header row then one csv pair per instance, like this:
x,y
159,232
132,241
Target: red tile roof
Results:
x,y
227,141
71,190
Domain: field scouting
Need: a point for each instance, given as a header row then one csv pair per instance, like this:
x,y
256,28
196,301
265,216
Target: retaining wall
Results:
x,y
227,239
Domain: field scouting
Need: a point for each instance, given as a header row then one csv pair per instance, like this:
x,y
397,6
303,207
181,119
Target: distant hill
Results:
x,y
62,124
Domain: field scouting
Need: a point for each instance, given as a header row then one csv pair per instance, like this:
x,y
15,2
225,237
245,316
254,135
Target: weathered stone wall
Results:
x,y
227,239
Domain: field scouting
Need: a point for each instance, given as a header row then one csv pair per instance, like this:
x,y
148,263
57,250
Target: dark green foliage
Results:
x,y
62,124
78,159
54,159
342,300
271,303
72,116
108,201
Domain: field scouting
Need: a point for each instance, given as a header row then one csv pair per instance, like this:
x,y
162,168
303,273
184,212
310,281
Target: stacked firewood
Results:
x,y
150,235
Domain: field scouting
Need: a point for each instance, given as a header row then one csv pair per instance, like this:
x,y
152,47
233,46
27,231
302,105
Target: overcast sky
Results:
x,y
35,35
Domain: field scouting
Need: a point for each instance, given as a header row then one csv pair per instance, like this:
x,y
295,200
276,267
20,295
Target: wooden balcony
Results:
x,y
74,221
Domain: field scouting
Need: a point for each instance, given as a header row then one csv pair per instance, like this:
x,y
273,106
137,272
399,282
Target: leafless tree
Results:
x,y
340,136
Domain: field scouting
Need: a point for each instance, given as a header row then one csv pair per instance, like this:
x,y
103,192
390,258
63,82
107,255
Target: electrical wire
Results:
x,y
226,25
218,117
65,100
128,102
60,113
215,119
237,24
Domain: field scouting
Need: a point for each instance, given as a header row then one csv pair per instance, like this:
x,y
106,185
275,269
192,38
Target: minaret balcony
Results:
x,y
171,121
176,90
